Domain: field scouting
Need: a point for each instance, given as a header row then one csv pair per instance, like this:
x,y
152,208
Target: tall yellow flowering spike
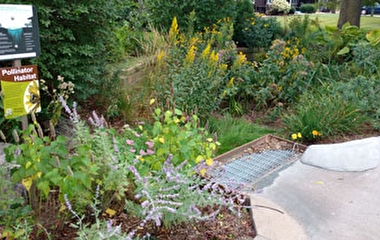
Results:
x,y
240,59
173,32
190,57
214,57
206,52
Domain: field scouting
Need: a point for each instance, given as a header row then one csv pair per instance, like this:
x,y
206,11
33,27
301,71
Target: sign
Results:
x,y
21,90
18,32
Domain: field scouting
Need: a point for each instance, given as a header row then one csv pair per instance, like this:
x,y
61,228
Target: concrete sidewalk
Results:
x,y
319,204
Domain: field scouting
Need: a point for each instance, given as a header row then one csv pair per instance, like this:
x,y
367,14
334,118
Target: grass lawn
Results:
x,y
329,19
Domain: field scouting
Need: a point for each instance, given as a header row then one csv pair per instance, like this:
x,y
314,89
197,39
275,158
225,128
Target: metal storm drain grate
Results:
x,y
251,168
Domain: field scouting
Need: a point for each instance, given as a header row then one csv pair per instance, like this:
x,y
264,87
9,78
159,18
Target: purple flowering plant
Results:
x,y
162,165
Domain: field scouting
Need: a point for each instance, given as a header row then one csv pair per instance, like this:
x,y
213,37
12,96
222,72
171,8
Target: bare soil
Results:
x,y
227,225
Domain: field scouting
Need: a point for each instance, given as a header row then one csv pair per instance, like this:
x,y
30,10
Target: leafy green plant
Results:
x,y
179,134
259,32
45,164
333,45
328,116
284,75
15,216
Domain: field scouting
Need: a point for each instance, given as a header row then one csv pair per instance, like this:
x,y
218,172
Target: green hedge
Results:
x,y
308,8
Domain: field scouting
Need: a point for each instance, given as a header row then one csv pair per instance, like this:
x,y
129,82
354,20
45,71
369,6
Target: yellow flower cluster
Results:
x,y
296,136
214,58
206,52
240,60
190,57
173,32
316,133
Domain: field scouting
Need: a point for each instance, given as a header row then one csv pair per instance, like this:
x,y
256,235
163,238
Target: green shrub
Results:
x,y
259,32
284,75
292,10
308,8
77,41
279,7
244,11
207,13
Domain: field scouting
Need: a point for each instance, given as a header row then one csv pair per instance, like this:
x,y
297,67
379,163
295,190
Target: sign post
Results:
x,y
19,39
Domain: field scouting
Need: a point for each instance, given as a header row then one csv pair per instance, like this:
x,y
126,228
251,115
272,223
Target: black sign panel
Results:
x,y
19,36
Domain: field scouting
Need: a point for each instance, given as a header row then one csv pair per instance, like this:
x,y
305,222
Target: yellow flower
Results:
x,y
173,32
294,136
316,133
199,159
190,57
240,59
214,57
209,161
161,140
202,172
206,52
299,135
110,212
223,67
152,101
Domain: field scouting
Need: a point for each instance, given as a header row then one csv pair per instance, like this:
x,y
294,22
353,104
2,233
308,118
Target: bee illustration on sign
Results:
x,y
32,97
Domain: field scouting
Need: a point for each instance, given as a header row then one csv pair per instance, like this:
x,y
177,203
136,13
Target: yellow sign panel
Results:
x,y
21,90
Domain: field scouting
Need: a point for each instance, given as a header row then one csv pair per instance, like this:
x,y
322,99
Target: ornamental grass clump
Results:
x,y
318,116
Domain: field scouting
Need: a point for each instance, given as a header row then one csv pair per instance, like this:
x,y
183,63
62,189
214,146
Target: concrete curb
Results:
x,y
272,222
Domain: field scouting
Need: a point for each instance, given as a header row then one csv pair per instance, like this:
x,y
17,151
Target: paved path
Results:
x,y
320,204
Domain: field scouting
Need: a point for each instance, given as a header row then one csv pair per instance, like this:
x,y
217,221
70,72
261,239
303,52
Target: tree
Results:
x,y
350,11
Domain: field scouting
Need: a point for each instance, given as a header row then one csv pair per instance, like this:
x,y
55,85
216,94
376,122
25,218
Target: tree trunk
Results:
x,y
350,11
